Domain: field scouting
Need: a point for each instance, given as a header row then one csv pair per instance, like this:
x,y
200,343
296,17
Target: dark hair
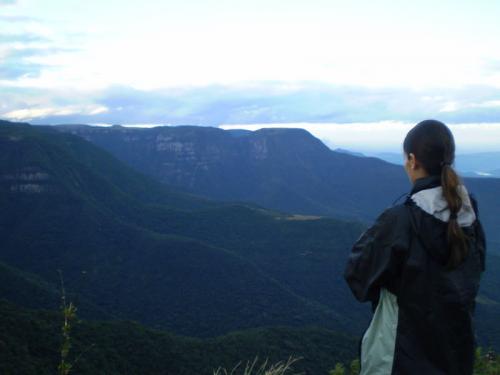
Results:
x,y
434,147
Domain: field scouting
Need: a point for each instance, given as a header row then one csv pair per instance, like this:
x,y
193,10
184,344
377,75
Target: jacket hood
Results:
x,y
430,215
432,201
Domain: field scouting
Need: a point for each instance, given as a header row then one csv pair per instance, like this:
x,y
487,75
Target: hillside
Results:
x,y
31,340
171,267
282,169
28,290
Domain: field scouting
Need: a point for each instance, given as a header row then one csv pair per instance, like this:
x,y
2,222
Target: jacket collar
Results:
x,y
425,183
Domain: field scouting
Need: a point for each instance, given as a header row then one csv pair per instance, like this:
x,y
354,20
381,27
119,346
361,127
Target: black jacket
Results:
x,y
423,313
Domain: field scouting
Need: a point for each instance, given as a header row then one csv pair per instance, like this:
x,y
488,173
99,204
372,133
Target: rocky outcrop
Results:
x,y
27,180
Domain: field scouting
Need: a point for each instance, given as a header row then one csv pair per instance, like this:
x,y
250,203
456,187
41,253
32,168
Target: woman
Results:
x,y
420,266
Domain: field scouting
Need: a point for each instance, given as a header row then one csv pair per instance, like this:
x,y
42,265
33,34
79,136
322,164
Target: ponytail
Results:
x,y
457,242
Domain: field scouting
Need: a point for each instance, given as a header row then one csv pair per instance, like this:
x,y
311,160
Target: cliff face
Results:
x,y
186,150
284,169
30,180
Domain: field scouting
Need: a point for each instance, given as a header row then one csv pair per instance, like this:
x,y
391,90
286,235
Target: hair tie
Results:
x,y
443,163
453,216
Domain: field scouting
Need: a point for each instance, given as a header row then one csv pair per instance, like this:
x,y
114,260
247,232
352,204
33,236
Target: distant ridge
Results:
x,y
348,152
283,169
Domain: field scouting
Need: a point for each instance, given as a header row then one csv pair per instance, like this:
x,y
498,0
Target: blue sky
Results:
x,y
254,62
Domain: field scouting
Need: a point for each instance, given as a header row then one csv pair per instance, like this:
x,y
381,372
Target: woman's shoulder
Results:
x,y
474,203
394,222
396,214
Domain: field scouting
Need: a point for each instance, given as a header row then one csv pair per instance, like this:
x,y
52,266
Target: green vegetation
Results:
x,y
68,311
31,340
252,368
485,364
208,268
340,369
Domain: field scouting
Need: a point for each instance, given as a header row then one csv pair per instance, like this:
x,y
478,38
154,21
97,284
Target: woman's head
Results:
x,y
430,150
428,147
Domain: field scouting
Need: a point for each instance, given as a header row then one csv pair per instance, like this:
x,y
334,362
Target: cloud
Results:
x,y
25,62
256,103
7,2
280,103
30,47
40,113
17,70
18,19
488,104
21,38
266,102
17,63
491,65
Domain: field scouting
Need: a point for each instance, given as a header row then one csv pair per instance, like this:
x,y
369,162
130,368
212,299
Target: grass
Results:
x,y
252,368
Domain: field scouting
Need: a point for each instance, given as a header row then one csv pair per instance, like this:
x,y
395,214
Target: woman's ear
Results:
x,y
412,161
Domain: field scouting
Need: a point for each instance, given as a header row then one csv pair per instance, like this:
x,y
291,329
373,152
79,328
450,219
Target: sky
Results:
x,y
324,65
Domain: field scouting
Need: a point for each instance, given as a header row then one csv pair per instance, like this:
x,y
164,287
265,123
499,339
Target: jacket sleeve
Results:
x,y
376,257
